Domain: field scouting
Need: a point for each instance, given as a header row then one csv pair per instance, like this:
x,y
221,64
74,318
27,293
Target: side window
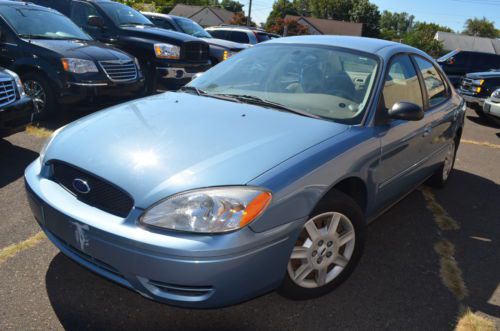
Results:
x,y
401,83
460,59
221,34
239,37
80,13
160,22
436,88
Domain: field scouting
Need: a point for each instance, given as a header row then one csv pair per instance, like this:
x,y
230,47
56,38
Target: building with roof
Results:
x,y
203,15
328,27
453,41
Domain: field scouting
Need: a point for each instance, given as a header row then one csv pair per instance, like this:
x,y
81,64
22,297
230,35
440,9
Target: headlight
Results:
x,y
19,84
78,66
478,82
47,143
496,94
209,210
167,51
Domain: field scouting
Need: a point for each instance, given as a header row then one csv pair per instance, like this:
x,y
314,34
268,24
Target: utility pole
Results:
x,y
249,19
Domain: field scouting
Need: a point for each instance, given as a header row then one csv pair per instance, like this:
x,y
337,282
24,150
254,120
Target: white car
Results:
x,y
491,106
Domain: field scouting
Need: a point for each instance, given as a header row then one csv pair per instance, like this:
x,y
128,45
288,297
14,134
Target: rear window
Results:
x,y
221,34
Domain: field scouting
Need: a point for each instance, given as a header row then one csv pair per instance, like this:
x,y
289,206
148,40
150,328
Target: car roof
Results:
x,y
370,45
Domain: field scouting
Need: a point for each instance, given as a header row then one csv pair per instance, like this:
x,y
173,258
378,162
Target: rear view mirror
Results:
x,y
95,21
407,111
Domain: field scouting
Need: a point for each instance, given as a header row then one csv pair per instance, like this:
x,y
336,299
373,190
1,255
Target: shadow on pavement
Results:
x,y
483,121
473,202
14,160
396,285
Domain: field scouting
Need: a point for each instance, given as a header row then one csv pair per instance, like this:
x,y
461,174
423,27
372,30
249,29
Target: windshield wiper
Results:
x,y
197,91
266,103
192,89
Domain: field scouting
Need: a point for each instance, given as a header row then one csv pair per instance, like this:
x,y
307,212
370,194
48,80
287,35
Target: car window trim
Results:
x,y
379,117
422,83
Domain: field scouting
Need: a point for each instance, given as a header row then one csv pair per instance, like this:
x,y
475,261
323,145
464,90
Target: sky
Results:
x,y
451,13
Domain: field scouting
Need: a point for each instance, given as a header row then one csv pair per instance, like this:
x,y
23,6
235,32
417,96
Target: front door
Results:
x,y
401,141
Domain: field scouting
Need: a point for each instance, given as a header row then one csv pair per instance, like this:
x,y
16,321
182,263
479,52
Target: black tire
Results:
x,y
34,80
439,179
337,202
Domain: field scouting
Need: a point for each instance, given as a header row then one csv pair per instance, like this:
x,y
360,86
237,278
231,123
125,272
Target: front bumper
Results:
x,y
173,76
99,92
15,116
471,99
491,108
191,270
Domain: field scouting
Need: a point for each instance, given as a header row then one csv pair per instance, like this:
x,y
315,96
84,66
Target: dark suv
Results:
x,y
220,49
477,87
16,108
457,64
59,63
168,59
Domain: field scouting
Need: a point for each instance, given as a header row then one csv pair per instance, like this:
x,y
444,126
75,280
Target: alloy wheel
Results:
x,y
324,248
448,161
35,90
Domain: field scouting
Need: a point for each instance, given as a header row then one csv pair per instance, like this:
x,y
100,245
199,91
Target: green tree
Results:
x,y
358,11
241,19
232,5
281,8
423,37
480,27
394,26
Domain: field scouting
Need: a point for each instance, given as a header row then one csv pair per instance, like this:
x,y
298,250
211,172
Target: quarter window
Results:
x,y
401,83
436,88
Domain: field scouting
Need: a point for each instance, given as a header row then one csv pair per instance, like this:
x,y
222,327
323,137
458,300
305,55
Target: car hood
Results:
x,y
161,145
155,34
225,43
88,50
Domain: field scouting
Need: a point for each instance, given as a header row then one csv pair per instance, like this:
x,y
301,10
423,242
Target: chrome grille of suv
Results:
x,y
119,70
7,92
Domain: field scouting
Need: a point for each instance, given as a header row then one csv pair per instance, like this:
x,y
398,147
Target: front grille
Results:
x,y
119,71
195,51
102,194
7,92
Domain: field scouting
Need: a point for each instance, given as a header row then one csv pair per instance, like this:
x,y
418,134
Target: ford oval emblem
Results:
x,y
81,186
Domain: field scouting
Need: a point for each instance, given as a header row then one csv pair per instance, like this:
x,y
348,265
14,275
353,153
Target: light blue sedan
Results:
x,y
261,174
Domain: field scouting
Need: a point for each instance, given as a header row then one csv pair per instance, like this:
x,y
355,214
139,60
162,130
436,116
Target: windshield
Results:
x,y
124,15
191,28
447,56
322,81
41,24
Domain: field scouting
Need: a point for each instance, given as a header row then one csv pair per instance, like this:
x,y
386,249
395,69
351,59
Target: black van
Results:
x,y
457,64
168,59
58,63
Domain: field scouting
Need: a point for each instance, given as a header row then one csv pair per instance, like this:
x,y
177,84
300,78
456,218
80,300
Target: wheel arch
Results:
x,y
352,186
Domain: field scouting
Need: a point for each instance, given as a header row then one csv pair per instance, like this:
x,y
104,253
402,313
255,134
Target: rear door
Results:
x,y
439,115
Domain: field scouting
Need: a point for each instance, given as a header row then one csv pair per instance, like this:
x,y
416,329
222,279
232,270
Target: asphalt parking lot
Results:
x,y
399,283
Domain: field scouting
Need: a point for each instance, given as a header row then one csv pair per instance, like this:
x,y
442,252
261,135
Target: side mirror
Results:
x,y
95,21
450,61
407,111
